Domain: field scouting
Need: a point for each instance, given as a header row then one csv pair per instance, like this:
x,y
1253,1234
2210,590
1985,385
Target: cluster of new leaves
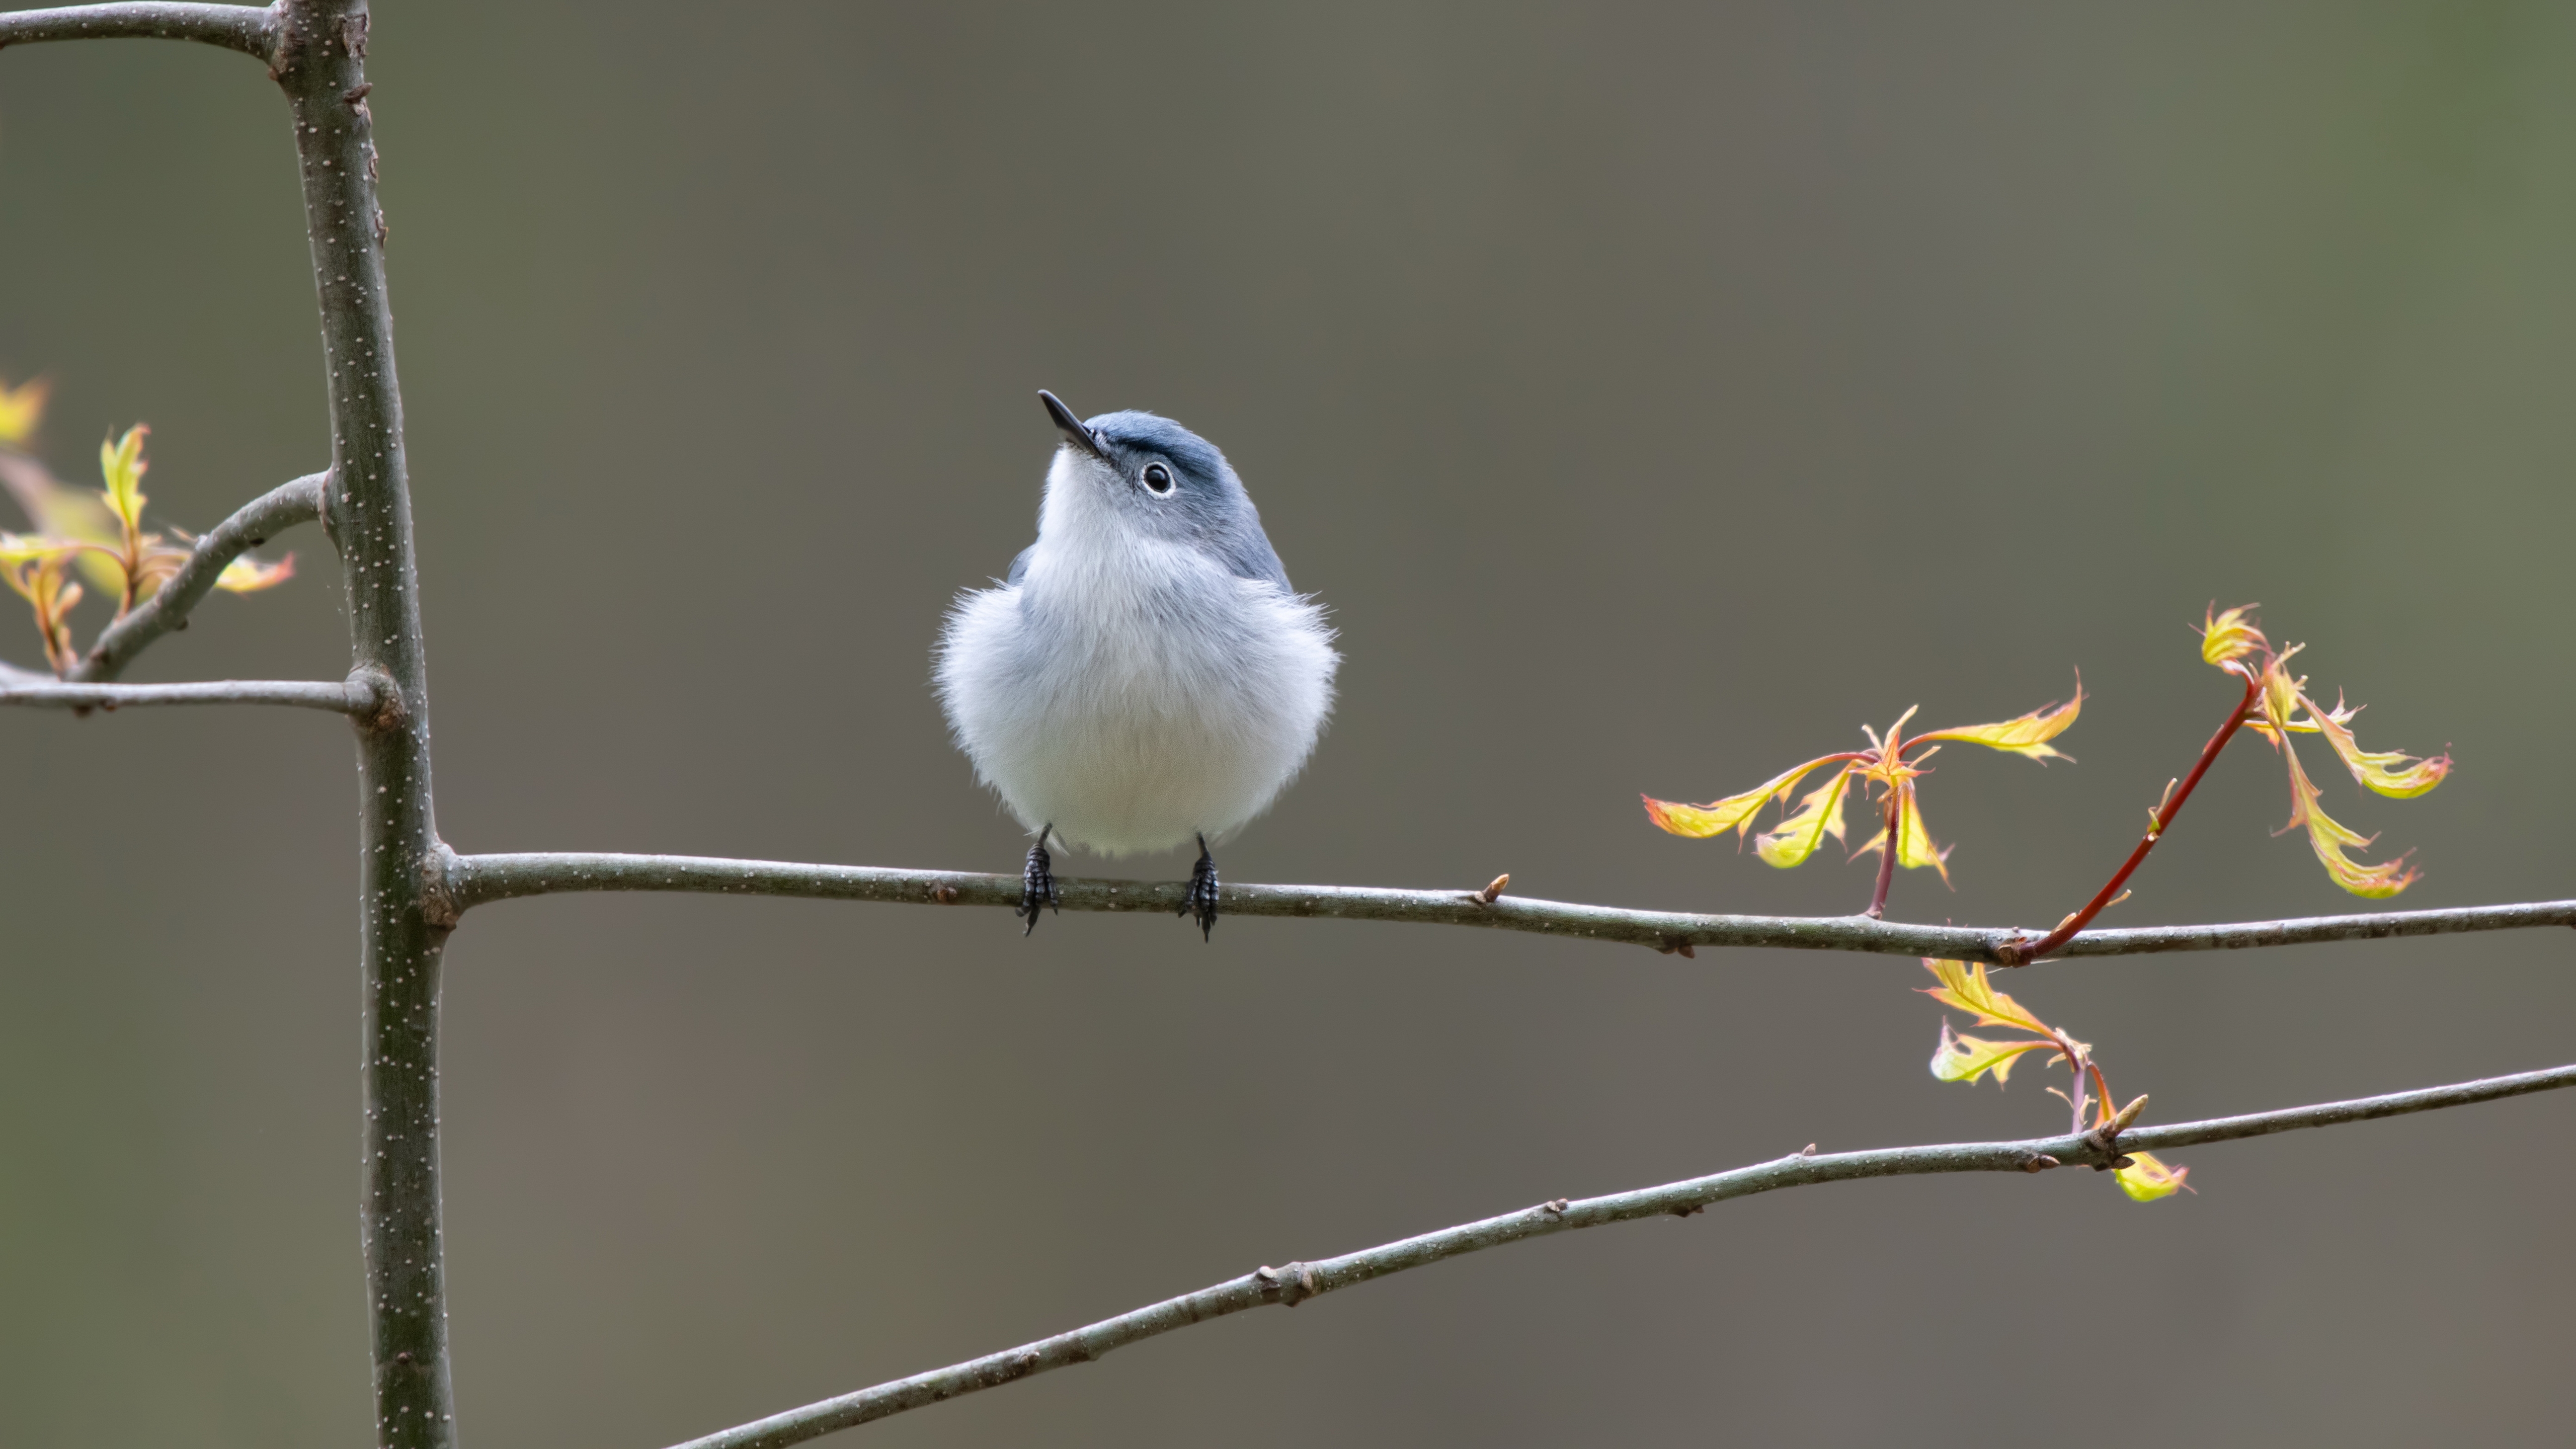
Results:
x,y
1967,1058
2283,708
1890,765
101,536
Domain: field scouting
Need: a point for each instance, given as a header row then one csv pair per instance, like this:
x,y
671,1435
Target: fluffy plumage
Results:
x,y
1146,673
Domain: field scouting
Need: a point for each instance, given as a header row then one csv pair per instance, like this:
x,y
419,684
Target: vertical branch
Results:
x,y
320,64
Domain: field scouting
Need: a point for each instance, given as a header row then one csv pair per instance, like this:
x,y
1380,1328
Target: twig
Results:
x,y
253,524
2159,820
474,880
250,29
1298,1282
356,697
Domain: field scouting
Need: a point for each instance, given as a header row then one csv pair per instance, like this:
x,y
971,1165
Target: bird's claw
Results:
x,y
1037,884
1200,900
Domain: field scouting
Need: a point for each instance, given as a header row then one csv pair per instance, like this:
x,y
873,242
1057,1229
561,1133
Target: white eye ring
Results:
x,y
1156,478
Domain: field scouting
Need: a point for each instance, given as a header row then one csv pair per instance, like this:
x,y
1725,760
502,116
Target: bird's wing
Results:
x,y
1020,565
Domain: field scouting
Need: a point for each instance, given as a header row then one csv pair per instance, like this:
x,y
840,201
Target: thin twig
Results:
x,y
473,880
2159,820
250,29
1298,1282
253,524
353,698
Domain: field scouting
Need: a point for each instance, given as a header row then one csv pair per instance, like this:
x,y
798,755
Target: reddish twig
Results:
x,y
2016,953
1886,862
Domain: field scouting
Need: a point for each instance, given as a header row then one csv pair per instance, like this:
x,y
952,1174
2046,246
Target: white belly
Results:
x,y
1134,721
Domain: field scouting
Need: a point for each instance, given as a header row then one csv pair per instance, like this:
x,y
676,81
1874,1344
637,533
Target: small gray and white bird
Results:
x,y
1146,675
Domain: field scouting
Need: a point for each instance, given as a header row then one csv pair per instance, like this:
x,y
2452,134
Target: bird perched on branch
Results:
x,y
1145,676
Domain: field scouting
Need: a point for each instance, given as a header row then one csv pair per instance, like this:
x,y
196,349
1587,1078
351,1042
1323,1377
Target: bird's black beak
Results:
x,y
1071,426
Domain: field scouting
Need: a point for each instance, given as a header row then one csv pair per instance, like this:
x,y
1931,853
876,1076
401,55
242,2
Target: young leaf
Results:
x,y
1735,812
1914,847
2331,839
247,575
2028,735
122,463
1969,991
21,409
2145,1179
2228,637
1820,814
2397,775
1966,1058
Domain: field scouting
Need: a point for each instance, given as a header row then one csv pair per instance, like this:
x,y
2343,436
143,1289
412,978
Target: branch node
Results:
x,y
375,700
1493,890
1287,1286
1807,1151
2039,1162
1554,1207
1690,1210
945,895
437,895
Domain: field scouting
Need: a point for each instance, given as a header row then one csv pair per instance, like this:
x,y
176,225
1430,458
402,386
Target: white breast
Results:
x,y
1132,692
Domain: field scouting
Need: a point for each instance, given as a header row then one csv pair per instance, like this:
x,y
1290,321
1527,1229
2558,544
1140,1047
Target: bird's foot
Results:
x,y
1037,884
1201,899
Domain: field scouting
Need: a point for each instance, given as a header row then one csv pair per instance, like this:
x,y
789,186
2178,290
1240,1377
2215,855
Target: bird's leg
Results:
x,y
1037,883
1201,899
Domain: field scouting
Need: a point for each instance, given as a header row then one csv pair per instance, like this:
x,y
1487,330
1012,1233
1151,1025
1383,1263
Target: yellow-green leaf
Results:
x,y
1820,814
1914,847
2392,773
1966,988
21,409
247,575
1966,1058
2331,839
2145,1179
1735,812
2028,735
122,463
2228,637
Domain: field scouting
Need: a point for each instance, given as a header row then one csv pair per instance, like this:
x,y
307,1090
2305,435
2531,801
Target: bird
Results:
x,y
1145,675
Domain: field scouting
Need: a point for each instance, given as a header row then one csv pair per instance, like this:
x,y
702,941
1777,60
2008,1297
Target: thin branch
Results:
x,y
1298,1282
474,880
356,697
250,29
253,524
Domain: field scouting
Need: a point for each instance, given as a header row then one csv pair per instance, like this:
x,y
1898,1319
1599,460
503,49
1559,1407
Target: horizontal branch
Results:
x,y
253,524
356,697
477,879
1298,1282
250,29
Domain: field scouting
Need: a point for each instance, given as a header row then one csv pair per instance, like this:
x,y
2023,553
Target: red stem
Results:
x,y
1887,858
2016,954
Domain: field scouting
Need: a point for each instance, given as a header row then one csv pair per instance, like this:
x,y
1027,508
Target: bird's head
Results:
x,y
1158,478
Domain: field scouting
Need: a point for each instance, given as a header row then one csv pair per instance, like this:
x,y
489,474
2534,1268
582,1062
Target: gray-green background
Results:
x,y
1654,395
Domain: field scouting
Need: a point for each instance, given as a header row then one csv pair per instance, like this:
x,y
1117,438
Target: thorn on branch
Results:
x,y
1807,1151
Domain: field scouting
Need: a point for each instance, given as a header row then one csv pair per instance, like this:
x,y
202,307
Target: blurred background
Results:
x,y
1654,393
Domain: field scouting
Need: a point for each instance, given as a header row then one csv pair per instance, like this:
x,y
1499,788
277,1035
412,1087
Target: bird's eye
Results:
x,y
1158,478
